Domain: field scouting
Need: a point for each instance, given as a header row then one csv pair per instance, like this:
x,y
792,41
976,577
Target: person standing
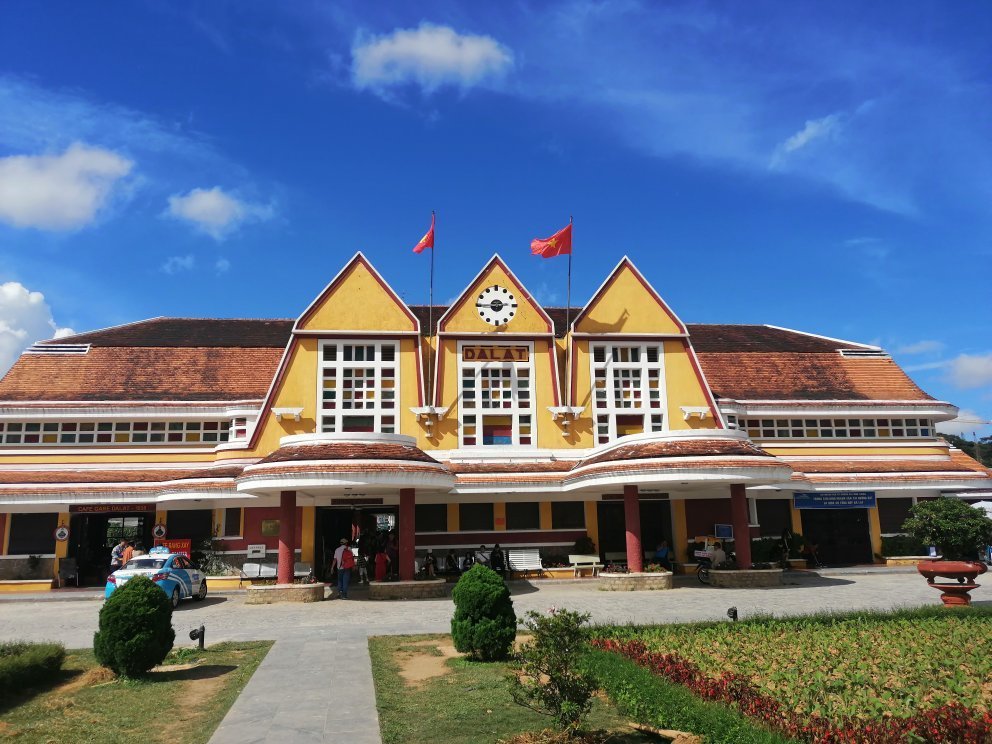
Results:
x,y
662,555
128,553
381,564
344,562
117,555
497,561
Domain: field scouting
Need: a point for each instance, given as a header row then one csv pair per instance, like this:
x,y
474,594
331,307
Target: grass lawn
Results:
x,y
860,665
426,695
87,704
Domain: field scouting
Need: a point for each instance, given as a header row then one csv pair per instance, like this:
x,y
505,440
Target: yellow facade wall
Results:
x,y
308,534
625,305
453,518
684,388
464,318
680,531
358,302
592,521
499,516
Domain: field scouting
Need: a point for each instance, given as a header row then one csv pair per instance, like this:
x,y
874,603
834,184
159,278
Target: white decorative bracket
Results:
x,y
567,414
700,411
429,415
294,412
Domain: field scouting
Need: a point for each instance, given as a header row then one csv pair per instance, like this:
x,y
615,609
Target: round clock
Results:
x,y
496,305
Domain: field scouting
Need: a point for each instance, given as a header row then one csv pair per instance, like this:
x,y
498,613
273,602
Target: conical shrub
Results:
x,y
484,625
135,628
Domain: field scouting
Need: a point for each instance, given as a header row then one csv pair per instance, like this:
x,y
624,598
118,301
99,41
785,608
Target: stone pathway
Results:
x,y
315,685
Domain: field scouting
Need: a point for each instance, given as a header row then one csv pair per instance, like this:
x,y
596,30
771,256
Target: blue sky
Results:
x,y
826,167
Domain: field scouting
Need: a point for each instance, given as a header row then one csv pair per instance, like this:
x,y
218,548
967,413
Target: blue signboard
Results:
x,y
834,500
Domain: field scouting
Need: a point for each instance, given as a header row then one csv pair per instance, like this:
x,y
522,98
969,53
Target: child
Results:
x,y
430,565
363,568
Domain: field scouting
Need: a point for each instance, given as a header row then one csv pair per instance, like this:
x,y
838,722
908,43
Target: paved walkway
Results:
x,y
315,685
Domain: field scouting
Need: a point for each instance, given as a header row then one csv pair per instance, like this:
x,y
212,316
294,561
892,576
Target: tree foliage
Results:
x,y
968,447
135,628
957,528
484,624
550,679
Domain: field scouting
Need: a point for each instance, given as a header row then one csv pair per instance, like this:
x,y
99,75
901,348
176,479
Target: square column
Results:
x,y
742,524
287,537
408,534
632,523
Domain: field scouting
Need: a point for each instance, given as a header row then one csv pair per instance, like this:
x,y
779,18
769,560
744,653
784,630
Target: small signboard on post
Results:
x,y
834,500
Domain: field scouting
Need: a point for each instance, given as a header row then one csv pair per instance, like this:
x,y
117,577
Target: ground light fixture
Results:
x,y
199,634
731,613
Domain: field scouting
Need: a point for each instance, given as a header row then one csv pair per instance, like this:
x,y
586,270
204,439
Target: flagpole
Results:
x,y
430,319
568,311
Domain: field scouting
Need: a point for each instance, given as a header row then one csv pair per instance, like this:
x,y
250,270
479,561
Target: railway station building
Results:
x,y
488,421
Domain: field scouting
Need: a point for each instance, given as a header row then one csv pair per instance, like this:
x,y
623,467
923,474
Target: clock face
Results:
x,y
496,305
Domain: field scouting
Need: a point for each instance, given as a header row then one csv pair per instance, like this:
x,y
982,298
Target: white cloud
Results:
x,y
971,370
966,422
24,318
59,192
222,265
429,56
815,129
216,212
921,347
175,264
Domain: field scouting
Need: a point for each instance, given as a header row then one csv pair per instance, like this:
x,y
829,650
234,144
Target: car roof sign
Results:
x,y
159,550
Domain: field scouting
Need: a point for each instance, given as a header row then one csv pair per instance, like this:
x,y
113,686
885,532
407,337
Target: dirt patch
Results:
x,y
416,667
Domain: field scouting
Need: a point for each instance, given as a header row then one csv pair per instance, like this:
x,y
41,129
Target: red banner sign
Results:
x,y
180,547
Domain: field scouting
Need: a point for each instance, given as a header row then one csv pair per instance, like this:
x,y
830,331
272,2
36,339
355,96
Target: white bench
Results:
x,y
270,570
524,559
617,556
579,562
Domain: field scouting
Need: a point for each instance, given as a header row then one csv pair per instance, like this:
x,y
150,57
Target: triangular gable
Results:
x,y
627,304
358,299
462,317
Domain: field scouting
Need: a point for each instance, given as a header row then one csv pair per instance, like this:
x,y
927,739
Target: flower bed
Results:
x,y
863,677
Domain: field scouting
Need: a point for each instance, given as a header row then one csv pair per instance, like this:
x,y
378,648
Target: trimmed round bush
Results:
x,y
28,664
135,628
484,625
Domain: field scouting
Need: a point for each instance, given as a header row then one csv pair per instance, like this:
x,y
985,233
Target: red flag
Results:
x,y
558,244
428,240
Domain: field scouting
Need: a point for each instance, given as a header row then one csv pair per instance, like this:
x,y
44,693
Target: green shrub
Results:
x,y
135,628
484,624
584,546
28,664
549,680
957,528
902,545
648,699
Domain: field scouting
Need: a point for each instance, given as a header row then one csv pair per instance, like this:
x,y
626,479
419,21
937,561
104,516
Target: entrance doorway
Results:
x,y
334,523
93,536
841,535
656,525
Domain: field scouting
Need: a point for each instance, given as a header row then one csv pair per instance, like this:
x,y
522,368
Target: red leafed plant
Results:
x,y
952,723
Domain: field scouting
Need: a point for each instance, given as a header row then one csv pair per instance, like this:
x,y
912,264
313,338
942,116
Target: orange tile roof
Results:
x,y
32,477
677,448
771,375
343,451
143,373
190,359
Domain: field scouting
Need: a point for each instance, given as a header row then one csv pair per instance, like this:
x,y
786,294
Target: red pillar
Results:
x,y
742,524
632,520
408,534
287,536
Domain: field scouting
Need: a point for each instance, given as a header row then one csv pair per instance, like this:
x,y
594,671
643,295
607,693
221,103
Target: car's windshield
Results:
x,y
139,563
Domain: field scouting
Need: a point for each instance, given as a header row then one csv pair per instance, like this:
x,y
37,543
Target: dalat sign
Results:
x,y
495,353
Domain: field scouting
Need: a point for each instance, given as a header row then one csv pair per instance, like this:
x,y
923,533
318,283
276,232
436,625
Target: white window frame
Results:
x,y
868,427
611,410
514,411
118,433
377,411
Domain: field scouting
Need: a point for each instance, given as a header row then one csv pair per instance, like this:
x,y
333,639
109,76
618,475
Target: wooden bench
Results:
x,y
579,562
524,560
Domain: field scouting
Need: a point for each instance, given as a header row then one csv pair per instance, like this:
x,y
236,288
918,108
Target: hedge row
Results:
x,y
653,701
28,664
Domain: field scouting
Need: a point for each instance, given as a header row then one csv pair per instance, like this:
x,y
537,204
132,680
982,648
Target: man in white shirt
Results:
x,y
719,556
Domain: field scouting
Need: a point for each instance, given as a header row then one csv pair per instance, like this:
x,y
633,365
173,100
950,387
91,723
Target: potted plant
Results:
x,y
959,531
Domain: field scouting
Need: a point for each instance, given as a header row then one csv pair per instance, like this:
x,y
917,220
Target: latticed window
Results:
x,y
628,384
853,428
496,401
97,433
358,386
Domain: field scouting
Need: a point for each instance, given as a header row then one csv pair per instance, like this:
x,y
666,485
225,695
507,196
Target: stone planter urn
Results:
x,y
963,573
